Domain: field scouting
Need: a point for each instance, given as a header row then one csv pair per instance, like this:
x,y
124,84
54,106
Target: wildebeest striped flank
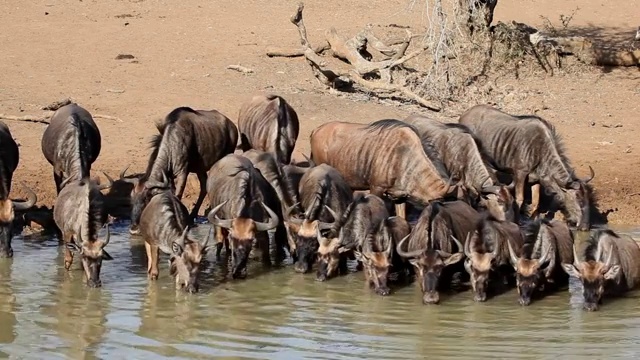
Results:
x,y
529,146
268,123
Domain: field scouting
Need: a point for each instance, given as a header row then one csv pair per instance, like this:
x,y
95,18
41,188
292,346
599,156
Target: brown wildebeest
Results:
x,y
190,141
464,158
324,196
487,251
164,225
547,245
386,157
71,143
433,247
268,123
246,207
614,270
9,159
529,146
79,213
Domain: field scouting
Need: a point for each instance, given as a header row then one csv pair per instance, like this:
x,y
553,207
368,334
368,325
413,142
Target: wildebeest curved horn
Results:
x,y
133,181
607,264
496,249
591,176
273,219
124,171
576,262
32,198
458,244
491,189
106,186
213,219
467,245
307,214
333,213
311,163
545,256
107,236
511,186
208,238
290,218
183,237
406,254
512,254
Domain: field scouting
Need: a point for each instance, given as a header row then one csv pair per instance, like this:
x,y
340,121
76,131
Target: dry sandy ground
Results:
x,y
57,49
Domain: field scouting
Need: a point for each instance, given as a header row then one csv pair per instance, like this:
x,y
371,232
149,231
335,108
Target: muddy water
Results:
x,y
48,313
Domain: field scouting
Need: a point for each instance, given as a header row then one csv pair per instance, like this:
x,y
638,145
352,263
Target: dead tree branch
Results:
x,y
273,51
44,119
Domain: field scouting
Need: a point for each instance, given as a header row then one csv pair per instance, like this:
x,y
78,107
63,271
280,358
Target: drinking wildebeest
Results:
x,y
79,213
268,123
71,143
9,159
465,159
619,273
548,244
324,196
378,254
359,223
242,200
386,157
164,225
190,141
433,247
529,146
487,252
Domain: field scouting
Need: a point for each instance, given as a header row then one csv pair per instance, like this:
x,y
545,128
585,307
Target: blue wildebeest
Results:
x,y
548,244
324,196
71,129
190,141
386,157
465,159
614,270
9,159
268,123
433,247
79,213
245,207
164,225
529,147
487,253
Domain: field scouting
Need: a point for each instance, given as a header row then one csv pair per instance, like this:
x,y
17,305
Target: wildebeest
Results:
x,y
614,270
434,246
268,123
324,196
9,159
548,244
378,254
386,157
79,213
465,159
190,141
242,201
359,223
487,252
71,143
164,225
529,146
271,170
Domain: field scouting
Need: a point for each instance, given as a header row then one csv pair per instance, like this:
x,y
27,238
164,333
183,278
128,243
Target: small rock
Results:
x,y
46,13
593,123
124,56
627,150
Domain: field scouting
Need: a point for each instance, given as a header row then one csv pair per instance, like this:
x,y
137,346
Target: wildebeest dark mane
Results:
x,y
357,199
244,191
316,206
171,215
530,230
95,208
154,145
5,172
388,124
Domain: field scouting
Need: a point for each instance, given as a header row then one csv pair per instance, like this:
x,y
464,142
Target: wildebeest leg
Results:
x,y
535,199
181,183
263,245
520,179
202,177
152,252
68,255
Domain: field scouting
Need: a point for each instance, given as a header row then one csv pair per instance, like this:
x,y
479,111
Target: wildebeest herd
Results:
x,y
348,201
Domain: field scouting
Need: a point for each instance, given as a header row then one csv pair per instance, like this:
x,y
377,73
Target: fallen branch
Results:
x,y
240,68
45,118
57,105
282,52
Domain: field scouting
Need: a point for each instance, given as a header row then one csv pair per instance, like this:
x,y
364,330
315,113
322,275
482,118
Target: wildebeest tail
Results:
x,y
83,146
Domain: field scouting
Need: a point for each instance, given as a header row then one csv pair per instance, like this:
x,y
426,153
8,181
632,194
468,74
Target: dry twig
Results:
x,y
240,68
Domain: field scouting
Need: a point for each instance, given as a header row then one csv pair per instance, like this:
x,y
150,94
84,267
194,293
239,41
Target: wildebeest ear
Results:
x,y
454,259
414,262
571,270
72,246
575,185
176,248
106,256
612,272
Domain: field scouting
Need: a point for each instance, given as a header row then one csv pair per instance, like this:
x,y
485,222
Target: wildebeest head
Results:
x,y
429,264
575,197
303,238
593,274
330,249
529,272
499,201
242,233
142,192
377,261
7,215
185,260
92,252
479,264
